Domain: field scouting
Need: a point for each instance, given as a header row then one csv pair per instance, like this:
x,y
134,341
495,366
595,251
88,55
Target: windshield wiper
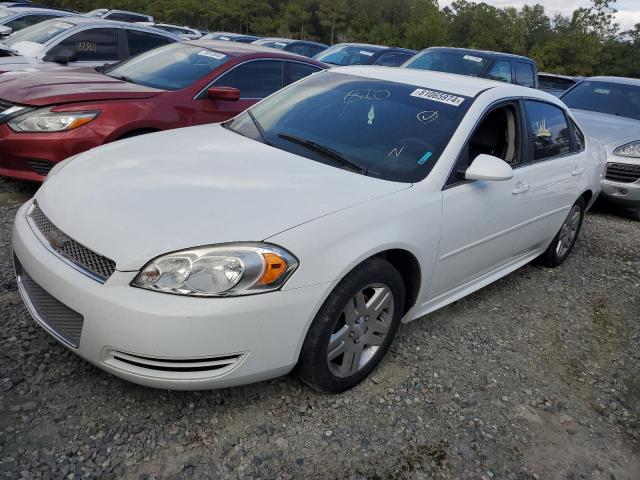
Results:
x,y
259,128
326,151
120,77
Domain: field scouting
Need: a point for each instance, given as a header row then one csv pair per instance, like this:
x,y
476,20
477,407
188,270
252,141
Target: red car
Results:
x,y
49,116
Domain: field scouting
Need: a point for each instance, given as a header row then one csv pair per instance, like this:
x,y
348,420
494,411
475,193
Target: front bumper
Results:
x,y
30,156
161,340
626,194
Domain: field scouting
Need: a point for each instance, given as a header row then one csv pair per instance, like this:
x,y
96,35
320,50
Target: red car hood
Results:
x,y
54,87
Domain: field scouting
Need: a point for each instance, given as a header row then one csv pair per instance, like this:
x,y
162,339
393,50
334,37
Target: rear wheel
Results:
x,y
354,328
564,241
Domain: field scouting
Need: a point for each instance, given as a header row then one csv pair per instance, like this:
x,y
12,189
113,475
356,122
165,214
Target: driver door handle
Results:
x,y
577,171
520,188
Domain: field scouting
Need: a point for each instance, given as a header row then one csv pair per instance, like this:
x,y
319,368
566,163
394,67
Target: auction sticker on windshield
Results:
x,y
436,96
210,54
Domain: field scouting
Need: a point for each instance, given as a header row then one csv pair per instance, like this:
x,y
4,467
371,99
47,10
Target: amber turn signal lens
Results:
x,y
273,269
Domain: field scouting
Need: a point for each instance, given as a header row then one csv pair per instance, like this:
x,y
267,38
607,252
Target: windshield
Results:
x,y
449,62
171,67
379,128
348,55
272,44
39,33
604,97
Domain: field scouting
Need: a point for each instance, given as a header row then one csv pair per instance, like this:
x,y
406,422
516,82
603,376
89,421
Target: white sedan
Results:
x,y
305,230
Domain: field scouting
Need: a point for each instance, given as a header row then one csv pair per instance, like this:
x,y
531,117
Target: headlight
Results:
x,y
44,120
629,150
217,271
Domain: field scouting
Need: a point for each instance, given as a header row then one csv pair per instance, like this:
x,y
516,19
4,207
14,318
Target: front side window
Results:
x,y
126,17
500,71
39,33
548,130
348,55
171,67
140,42
257,79
605,97
524,74
26,21
373,127
93,45
462,63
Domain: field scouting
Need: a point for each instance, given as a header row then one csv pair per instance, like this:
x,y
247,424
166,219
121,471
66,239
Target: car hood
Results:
x,y
139,198
67,85
610,130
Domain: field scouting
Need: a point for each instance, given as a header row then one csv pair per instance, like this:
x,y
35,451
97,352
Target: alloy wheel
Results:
x,y
568,232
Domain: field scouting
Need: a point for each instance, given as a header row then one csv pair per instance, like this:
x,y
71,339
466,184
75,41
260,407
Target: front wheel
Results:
x,y
354,328
564,241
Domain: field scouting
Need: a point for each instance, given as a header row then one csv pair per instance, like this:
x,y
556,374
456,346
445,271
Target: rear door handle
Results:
x,y
577,171
520,188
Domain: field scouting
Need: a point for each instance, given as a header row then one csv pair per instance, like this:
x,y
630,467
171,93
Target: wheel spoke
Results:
x,y
350,313
380,300
338,343
373,340
351,360
360,303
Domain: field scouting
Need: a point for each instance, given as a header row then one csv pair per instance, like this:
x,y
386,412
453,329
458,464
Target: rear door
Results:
x,y
256,79
557,171
140,41
524,74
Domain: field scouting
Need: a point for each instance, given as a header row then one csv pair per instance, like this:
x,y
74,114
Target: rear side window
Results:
x,y
403,57
388,59
500,71
297,71
94,45
548,130
140,42
524,74
299,48
257,79
127,17
315,49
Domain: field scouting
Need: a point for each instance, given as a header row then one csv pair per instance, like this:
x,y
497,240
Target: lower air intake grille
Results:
x,y
41,167
60,320
623,172
96,265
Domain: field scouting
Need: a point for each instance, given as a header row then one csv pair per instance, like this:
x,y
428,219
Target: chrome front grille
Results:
x,y
623,172
97,266
63,322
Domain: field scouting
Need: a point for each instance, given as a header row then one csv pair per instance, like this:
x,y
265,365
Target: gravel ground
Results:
x,y
534,377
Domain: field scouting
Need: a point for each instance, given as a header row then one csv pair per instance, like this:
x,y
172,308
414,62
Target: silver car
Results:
x,y
13,19
78,42
608,108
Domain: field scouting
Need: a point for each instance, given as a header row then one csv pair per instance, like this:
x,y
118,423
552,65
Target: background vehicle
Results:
x,y
555,84
344,54
503,67
184,32
608,108
119,15
301,47
67,112
17,18
231,37
77,42
353,200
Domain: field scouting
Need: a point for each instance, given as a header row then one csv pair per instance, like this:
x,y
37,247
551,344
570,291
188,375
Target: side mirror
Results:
x,y
63,56
5,31
489,168
229,94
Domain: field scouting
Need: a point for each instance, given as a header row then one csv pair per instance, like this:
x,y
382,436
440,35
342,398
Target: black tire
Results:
x,y
552,257
313,366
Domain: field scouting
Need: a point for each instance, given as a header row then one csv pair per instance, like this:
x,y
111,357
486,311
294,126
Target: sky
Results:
x,y
628,10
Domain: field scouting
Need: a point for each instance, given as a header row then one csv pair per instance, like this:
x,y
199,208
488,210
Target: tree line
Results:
x,y
588,42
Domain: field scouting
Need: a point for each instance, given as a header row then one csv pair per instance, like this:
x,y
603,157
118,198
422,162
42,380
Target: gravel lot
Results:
x,y
534,377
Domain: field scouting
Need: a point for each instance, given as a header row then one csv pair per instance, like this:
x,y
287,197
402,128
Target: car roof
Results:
x,y
445,82
237,49
621,80
231,34
372,46
486,53
81,20
34,10
289,40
